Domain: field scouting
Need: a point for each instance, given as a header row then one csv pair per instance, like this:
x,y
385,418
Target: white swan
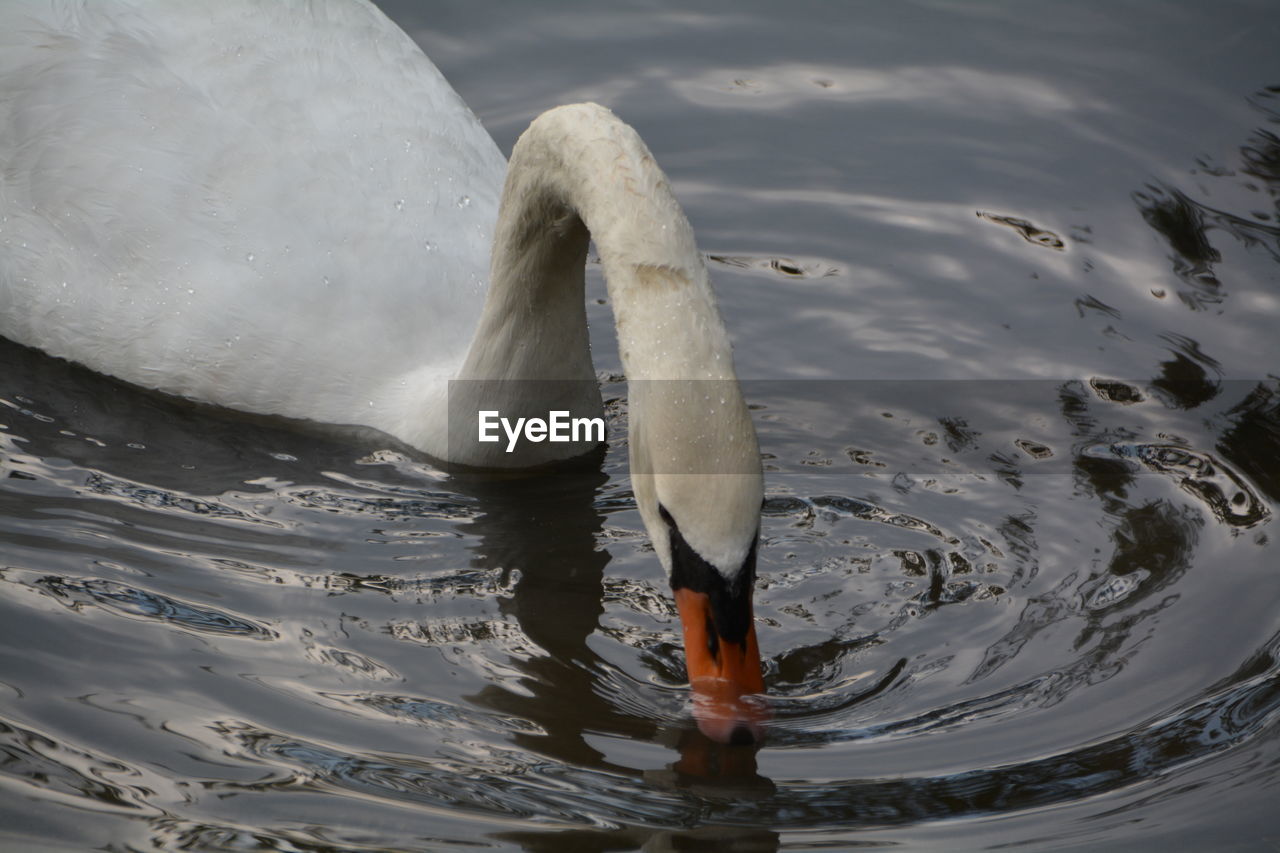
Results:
x,y
282,207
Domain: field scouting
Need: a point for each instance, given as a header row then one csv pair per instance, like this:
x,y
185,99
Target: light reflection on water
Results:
x,y
353,626
978,599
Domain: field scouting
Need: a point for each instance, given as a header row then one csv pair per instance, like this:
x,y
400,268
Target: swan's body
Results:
x,y
193,171
282,207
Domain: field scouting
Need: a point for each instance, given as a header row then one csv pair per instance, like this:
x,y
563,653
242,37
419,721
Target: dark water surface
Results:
x,y
1004,281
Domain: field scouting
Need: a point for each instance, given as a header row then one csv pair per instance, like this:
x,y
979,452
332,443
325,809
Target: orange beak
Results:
x,y
724,675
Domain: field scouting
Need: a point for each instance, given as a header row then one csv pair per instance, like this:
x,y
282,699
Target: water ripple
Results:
x,y
31,761
1220,487
442,506
471,777
1027,231
437,714
134,602
488,779
153,498
1188,736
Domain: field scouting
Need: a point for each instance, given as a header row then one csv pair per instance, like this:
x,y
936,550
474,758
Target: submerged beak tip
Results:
x,y
728,717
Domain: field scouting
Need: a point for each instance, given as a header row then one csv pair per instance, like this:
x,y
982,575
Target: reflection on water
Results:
x,y
993,611
1186,224
1027,231
481,655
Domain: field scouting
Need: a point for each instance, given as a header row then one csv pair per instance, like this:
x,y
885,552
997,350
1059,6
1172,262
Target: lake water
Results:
x,y
1004,285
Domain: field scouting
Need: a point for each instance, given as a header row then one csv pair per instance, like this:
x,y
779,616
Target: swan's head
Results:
x,y
699,489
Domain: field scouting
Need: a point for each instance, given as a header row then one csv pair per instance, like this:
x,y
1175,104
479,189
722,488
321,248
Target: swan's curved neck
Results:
x,y
579,169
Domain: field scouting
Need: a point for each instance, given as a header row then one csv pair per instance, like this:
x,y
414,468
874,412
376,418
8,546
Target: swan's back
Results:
x,y
280,206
